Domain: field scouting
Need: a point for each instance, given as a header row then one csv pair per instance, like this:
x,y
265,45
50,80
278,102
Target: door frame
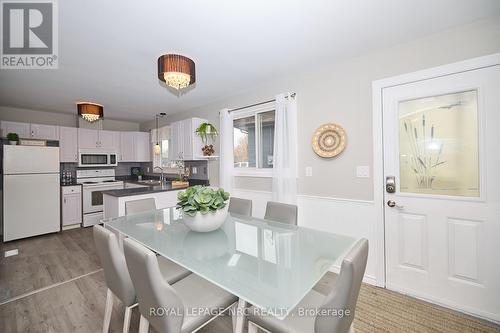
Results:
x,y
378,145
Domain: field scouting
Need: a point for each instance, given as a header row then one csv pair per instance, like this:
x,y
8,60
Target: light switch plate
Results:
x,y
363,171
309,171
195,170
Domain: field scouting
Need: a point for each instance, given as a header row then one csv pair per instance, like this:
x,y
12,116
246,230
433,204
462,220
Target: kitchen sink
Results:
x,y
152,182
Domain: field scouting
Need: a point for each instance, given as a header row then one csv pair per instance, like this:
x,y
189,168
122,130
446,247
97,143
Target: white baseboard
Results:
x,y
370,279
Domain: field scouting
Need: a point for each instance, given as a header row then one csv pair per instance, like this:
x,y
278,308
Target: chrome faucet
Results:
x,y
162,176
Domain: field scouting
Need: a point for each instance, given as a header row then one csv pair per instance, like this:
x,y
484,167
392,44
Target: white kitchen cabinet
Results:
x,y
87,138
143,147
90,138
68,144
135,147
45,132
185,143
71,205
127,147
109,140
21,129
176,141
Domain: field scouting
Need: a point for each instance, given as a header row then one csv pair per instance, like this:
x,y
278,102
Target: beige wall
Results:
x,y
60,119
341,92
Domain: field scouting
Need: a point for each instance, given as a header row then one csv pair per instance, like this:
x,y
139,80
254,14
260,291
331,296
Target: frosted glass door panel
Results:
x,y
438,145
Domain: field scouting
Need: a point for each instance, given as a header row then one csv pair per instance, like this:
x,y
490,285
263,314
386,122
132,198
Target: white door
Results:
x,y
72,209
30,160
143,147
21,129
45,132
68,144
109,140
177,141
31,205
127,147
442,223
187,139
87,138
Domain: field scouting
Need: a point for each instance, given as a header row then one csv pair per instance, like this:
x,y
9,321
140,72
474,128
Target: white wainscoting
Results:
x,y
354,218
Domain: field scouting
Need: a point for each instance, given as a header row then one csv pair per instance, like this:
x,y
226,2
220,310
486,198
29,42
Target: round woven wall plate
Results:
x,y
329,140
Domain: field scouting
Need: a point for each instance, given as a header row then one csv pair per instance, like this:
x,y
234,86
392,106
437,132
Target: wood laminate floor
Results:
x,y
56,285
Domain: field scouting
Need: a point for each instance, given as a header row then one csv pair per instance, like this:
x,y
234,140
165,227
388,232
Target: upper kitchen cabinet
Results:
x,y
46,132
90,138
22,129
127,143
109,140
143,146
185,143
30,131
68,144
135,147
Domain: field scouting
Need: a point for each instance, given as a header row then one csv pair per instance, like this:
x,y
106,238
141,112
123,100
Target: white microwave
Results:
x,y
97,158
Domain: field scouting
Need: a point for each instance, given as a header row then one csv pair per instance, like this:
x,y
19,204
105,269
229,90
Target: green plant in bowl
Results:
x,y
205,131
12,137
201,199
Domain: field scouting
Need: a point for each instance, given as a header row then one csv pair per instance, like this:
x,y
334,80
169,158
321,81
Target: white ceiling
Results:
x,y
108,49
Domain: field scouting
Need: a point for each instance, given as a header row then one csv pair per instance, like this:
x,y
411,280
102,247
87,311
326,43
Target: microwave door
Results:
x,y
93,159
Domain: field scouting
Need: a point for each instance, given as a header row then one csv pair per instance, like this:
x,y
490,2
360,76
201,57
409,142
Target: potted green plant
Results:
x,y
13,138
204,208
207,132
139,174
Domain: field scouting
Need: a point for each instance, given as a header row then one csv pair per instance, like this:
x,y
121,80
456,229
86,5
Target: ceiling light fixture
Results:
x,y
90,111
176,71
157,148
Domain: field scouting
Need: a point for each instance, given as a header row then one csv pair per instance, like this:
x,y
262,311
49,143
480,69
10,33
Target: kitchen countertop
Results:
x,y
167,186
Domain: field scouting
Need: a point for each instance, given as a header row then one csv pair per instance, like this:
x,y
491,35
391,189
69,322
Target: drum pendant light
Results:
x,y
176,71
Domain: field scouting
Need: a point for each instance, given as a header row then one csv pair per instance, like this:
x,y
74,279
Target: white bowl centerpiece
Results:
x,y
204,208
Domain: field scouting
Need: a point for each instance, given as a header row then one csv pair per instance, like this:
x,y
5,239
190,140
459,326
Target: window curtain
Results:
x,y
285,150
226,150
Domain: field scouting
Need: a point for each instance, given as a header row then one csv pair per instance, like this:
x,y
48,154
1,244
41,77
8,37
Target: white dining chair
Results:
x,y
117,276
280,212
179,299
240,206
343,297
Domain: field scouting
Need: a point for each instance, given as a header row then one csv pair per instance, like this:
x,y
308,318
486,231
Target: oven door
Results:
x,y
93,199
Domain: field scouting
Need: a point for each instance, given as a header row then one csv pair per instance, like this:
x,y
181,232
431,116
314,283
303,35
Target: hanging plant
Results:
x,y
206,131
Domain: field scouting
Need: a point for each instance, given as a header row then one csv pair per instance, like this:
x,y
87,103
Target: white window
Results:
x,y
253,135
161,160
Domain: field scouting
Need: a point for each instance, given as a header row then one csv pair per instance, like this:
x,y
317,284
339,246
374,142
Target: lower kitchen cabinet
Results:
x,y
71,206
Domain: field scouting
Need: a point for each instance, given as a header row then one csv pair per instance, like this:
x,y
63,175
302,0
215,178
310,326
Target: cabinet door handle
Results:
x,y
64,200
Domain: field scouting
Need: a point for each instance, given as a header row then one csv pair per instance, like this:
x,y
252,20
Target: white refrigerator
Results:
x,y
31,195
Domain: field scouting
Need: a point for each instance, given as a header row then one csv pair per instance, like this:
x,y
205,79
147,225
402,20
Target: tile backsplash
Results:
x,y
123,168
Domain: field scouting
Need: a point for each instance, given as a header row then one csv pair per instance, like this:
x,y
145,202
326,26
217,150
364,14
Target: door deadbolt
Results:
x,y
390,184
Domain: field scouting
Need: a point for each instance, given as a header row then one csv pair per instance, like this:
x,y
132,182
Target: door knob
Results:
x,y
392,203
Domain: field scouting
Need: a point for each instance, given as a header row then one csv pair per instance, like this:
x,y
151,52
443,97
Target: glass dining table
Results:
x,y
268,264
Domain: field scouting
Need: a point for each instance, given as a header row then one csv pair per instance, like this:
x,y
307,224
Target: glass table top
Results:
x,y
268,264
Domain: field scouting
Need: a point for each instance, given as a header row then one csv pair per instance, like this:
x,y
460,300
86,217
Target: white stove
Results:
x,y
94,182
